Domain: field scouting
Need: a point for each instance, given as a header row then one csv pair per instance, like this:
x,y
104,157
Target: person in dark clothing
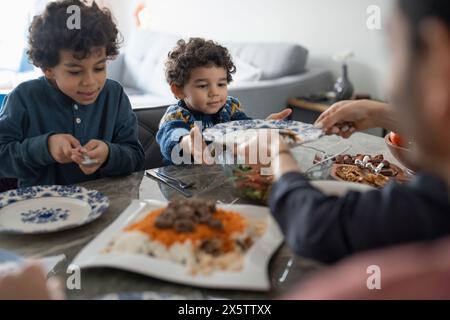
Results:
x,y
329,228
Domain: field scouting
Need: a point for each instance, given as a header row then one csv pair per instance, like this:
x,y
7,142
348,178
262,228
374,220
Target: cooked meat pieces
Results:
x,y
211,246
185,214
164,222
215,224
184,225
245,244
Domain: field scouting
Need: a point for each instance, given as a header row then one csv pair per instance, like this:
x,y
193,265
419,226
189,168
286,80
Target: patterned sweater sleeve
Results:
x,y
235,110
175,124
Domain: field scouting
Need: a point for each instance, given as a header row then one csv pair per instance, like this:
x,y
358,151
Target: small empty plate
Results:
x,y
45,209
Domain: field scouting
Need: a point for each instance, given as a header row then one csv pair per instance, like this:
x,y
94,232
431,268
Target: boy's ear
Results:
x,y
177,91
48,73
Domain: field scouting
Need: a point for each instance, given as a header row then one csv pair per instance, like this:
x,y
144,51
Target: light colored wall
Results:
x,y
323,26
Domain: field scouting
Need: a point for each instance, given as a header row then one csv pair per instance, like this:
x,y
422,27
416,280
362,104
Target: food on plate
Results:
x,y
353,173
194,233
369,162
372,170
253,182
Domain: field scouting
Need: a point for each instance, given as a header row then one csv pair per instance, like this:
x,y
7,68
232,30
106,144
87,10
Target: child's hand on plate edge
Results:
x,y
280,115
196,145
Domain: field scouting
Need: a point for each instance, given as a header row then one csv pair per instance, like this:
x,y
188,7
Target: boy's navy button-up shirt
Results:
x,y
36,109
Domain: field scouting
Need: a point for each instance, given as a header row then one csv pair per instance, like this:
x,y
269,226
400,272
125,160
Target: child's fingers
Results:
x,y
285,113
78,159
88,170
196,135
197,144
73,142
94,154
280,115
91,145
195,131
77,152
67,150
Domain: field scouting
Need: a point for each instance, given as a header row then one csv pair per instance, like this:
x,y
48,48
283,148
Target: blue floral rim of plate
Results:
x,y
97,202
305,131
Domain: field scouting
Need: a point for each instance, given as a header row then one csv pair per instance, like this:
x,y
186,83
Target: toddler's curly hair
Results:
x,y
197,52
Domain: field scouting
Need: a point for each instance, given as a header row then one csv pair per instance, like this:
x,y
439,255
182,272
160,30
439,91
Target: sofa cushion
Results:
x,y
146,53
144,62
245,72
276,60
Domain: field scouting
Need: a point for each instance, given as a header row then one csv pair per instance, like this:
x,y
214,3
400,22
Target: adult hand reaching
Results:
x,y
345,117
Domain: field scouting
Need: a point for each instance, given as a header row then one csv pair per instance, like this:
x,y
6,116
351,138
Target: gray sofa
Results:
x,y
268,74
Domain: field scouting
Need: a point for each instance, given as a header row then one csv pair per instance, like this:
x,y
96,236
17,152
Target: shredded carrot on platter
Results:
x,y
232,223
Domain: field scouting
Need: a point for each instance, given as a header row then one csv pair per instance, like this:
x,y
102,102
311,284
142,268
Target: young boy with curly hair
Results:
x,y
198,72
72,124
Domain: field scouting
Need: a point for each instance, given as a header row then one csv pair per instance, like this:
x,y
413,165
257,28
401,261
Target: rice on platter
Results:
x,y
193,233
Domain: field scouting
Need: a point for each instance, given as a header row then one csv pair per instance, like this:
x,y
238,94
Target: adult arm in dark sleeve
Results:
x,y
328,228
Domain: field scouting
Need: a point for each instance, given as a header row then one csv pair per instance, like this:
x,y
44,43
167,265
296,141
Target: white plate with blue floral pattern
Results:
x,y
237,131
46,209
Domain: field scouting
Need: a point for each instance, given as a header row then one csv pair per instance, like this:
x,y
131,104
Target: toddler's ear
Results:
x,y
177,91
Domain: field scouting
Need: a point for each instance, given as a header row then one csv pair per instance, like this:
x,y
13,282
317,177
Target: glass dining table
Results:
x,y
286,269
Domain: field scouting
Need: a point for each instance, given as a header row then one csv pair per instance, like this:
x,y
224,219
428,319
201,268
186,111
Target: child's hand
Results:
x,y
96,150
280,115
195,144
30,283
61,147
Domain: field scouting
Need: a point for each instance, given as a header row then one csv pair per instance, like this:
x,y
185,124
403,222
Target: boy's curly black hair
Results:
x,y
49,33
197,52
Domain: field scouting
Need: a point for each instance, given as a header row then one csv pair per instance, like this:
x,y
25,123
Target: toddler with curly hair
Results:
x,y
198,72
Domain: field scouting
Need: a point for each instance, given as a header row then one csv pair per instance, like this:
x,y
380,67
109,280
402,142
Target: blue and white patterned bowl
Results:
x,y
225,132
45,209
